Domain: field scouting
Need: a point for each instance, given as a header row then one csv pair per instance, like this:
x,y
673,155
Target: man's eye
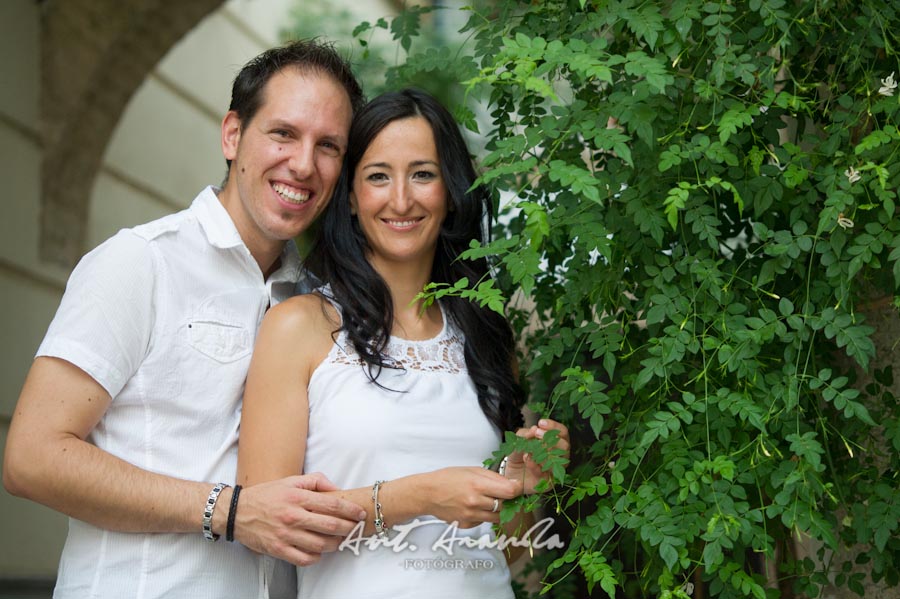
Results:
x,y
332,148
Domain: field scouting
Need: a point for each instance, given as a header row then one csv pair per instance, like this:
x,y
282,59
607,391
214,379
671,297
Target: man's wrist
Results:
x,y
220,515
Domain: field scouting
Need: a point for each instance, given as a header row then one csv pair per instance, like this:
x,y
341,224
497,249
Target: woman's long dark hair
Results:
x,y
338,257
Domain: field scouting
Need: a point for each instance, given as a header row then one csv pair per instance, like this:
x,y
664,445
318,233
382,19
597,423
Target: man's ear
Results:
x,y
231,135
352,203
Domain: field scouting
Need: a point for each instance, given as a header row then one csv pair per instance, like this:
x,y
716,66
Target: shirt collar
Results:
x,y
221,233
283,281
215,220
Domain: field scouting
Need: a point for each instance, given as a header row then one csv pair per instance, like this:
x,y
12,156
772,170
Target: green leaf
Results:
x,y
876,138
597,570
734,120
669,554
669,158
712,556
646,22
652,69
523,266
858,343
675,201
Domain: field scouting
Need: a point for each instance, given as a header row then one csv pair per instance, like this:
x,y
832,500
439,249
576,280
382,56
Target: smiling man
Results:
x,y
128,419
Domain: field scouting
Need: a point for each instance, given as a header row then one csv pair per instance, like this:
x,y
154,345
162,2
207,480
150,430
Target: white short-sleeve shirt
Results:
x,y
164,317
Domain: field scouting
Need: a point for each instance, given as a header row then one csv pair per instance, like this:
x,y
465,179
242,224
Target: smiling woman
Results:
x,y
399,196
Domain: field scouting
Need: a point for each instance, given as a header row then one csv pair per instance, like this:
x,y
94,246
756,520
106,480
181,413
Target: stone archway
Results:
x,y
95,54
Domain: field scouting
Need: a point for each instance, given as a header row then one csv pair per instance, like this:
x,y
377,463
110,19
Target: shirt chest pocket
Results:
x,y
220,339
224,326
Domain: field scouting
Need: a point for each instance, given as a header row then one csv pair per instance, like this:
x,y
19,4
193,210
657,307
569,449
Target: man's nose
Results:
x,y
302,162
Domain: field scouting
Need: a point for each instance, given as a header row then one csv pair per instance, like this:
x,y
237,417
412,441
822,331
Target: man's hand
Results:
x,y
291,518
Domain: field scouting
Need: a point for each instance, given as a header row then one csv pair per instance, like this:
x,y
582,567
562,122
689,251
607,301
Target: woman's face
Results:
x,y
399,195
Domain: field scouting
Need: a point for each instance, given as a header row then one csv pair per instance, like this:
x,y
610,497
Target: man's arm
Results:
x,y
48,460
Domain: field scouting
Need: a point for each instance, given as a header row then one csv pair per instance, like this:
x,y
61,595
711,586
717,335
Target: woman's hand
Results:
x,y
468,495
521,467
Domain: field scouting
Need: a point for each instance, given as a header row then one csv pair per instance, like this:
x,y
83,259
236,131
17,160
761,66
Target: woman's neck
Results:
x,y
405,282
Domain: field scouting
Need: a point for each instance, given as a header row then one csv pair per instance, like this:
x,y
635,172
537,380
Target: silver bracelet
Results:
x,y
208,510
380,528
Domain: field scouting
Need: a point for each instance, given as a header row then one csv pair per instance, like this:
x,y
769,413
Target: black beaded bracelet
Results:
x,y
232,513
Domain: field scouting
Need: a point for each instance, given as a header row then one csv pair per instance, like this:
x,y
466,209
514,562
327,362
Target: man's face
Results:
x,y
287,159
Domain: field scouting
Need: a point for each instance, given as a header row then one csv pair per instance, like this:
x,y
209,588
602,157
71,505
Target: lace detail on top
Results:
x,y
443,353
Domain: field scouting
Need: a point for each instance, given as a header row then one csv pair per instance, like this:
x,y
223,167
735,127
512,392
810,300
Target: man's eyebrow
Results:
x,y
283,124
279,124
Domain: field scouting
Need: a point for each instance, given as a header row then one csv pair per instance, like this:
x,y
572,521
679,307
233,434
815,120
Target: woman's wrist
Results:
x,y
404,498
422,488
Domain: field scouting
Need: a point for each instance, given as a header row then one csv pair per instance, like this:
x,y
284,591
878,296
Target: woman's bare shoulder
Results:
x,y
306,311
302,325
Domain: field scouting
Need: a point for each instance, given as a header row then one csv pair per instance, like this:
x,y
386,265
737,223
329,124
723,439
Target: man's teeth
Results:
x,y
294,197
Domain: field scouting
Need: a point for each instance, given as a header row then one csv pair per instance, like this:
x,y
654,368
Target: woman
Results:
x,y
397,402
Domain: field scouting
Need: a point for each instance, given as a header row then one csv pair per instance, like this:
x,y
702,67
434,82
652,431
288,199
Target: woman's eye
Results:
x,y
424,175
377,177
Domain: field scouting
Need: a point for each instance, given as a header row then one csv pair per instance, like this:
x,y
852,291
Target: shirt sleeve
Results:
x,y
106,315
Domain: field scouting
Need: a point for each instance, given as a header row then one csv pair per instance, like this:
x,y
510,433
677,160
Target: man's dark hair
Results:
x,y
312,55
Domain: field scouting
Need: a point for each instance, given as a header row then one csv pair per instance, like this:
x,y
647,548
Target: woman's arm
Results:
x,y
294,339
462,494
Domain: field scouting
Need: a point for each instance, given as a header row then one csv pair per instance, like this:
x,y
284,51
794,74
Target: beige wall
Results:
x,y
31,535
163,151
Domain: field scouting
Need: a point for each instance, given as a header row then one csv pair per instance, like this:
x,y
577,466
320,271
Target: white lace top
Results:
x,y
425,418
443,353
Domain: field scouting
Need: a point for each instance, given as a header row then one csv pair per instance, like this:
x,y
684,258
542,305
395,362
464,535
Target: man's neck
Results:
x,y
266,252
272,268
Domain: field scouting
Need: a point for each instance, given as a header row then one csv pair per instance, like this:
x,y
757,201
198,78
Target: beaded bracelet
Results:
x,y
380,529
208,511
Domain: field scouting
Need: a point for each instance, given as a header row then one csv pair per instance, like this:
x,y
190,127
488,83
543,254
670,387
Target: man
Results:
x,y
129,415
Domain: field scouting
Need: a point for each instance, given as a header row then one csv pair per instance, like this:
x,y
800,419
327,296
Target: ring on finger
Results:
x,y
496,505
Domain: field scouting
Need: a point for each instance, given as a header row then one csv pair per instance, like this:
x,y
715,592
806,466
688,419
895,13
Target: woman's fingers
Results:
x,y
545,425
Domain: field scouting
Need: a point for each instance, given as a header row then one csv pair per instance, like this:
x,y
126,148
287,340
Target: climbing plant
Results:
x,y
700,202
